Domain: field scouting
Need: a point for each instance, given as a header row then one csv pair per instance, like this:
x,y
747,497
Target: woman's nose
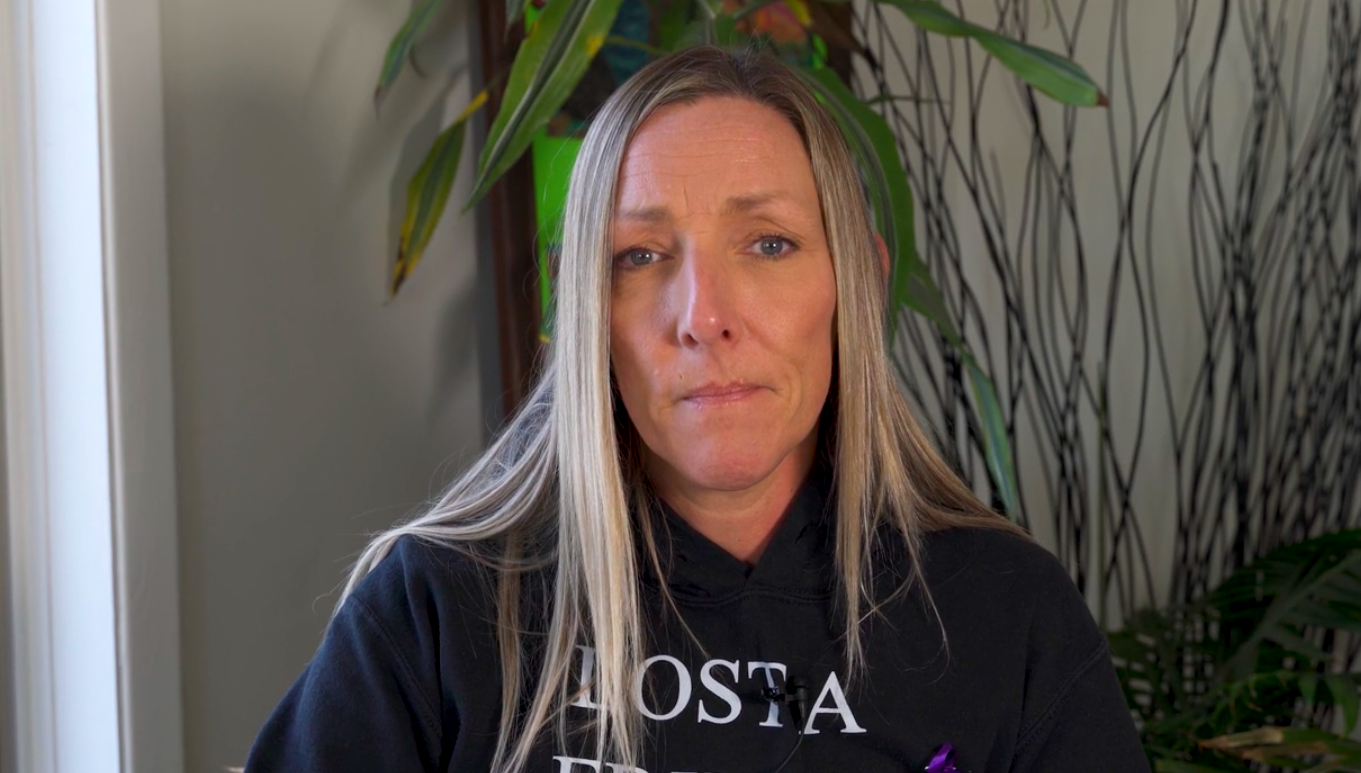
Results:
x,y
708,314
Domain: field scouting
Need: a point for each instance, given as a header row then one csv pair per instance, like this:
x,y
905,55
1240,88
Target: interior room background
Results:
x,y
310,410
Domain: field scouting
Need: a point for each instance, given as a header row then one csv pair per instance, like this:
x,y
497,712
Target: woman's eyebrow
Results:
x,y
741,205
648,215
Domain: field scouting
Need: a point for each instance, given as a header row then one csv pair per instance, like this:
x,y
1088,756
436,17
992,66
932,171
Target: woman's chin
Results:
x,y
725,472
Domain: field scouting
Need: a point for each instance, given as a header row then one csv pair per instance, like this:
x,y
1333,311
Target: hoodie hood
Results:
x,y
799,557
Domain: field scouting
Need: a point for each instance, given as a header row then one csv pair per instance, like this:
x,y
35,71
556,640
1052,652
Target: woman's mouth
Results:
x,y
720,394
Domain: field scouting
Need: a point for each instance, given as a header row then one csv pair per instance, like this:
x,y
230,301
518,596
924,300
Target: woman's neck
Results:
x,y
743,521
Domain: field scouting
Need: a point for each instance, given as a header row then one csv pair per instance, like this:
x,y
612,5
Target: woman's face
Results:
x,y
723,296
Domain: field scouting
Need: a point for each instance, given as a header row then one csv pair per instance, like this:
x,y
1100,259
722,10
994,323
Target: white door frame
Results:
x,y
85,322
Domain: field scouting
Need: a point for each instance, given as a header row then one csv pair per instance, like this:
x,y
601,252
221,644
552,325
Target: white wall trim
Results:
x,y
60,509
30,627
84,312
141,392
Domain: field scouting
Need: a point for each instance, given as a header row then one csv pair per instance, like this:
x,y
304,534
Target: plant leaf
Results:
x,y
1309,689
1348,764
830,29
995,443
933,17
1345,765
546,70
751,7
1275,596
400,47
1281,746
675,24
515,9
1344,692
1280,594
724,32
428,192
1060,78
1174,766
1295,643
1266,736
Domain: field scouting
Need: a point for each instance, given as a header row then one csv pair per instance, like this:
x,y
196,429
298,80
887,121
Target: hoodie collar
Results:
x,y
799,556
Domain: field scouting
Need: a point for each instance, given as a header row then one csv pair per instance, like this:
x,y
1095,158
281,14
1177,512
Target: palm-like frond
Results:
x,y
1247,658
1314,584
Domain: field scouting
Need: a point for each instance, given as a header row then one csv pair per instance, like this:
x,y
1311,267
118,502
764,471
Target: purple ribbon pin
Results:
x,y
943,761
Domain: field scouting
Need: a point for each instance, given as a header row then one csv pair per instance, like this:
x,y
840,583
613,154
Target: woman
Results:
x,y
713,539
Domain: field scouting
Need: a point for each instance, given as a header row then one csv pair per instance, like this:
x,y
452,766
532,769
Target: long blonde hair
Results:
x,y
557,487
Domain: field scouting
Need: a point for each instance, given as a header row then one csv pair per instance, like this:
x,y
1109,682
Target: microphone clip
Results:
x,y
794,695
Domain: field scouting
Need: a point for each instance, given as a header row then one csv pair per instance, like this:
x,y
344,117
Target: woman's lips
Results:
x,y
720,394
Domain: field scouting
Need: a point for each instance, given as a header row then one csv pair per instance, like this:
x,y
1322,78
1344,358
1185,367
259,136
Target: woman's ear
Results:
x,y
883,258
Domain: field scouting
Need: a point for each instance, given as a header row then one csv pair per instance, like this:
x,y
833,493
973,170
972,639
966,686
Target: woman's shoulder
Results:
x,y
420,582
1024,636
989,555
408,661
419,561
1005,577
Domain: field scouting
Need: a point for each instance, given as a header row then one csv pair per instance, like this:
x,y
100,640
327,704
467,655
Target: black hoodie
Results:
x,y
408,675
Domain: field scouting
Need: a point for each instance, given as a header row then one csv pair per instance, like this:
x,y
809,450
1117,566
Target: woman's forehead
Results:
x,y
725,155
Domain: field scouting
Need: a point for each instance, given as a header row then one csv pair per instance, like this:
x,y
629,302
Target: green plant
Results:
x,y
567,34
1244,675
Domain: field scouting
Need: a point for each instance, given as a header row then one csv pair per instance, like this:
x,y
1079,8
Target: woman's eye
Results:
x,y
773,246
637,258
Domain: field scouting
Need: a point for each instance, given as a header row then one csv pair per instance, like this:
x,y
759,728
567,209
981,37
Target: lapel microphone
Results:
x,y
794,695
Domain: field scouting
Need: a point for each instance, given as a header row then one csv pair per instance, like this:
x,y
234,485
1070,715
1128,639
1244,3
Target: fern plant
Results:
x,y
1244,675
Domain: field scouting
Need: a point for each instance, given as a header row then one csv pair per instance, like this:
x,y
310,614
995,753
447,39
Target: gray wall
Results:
x,y
308,411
